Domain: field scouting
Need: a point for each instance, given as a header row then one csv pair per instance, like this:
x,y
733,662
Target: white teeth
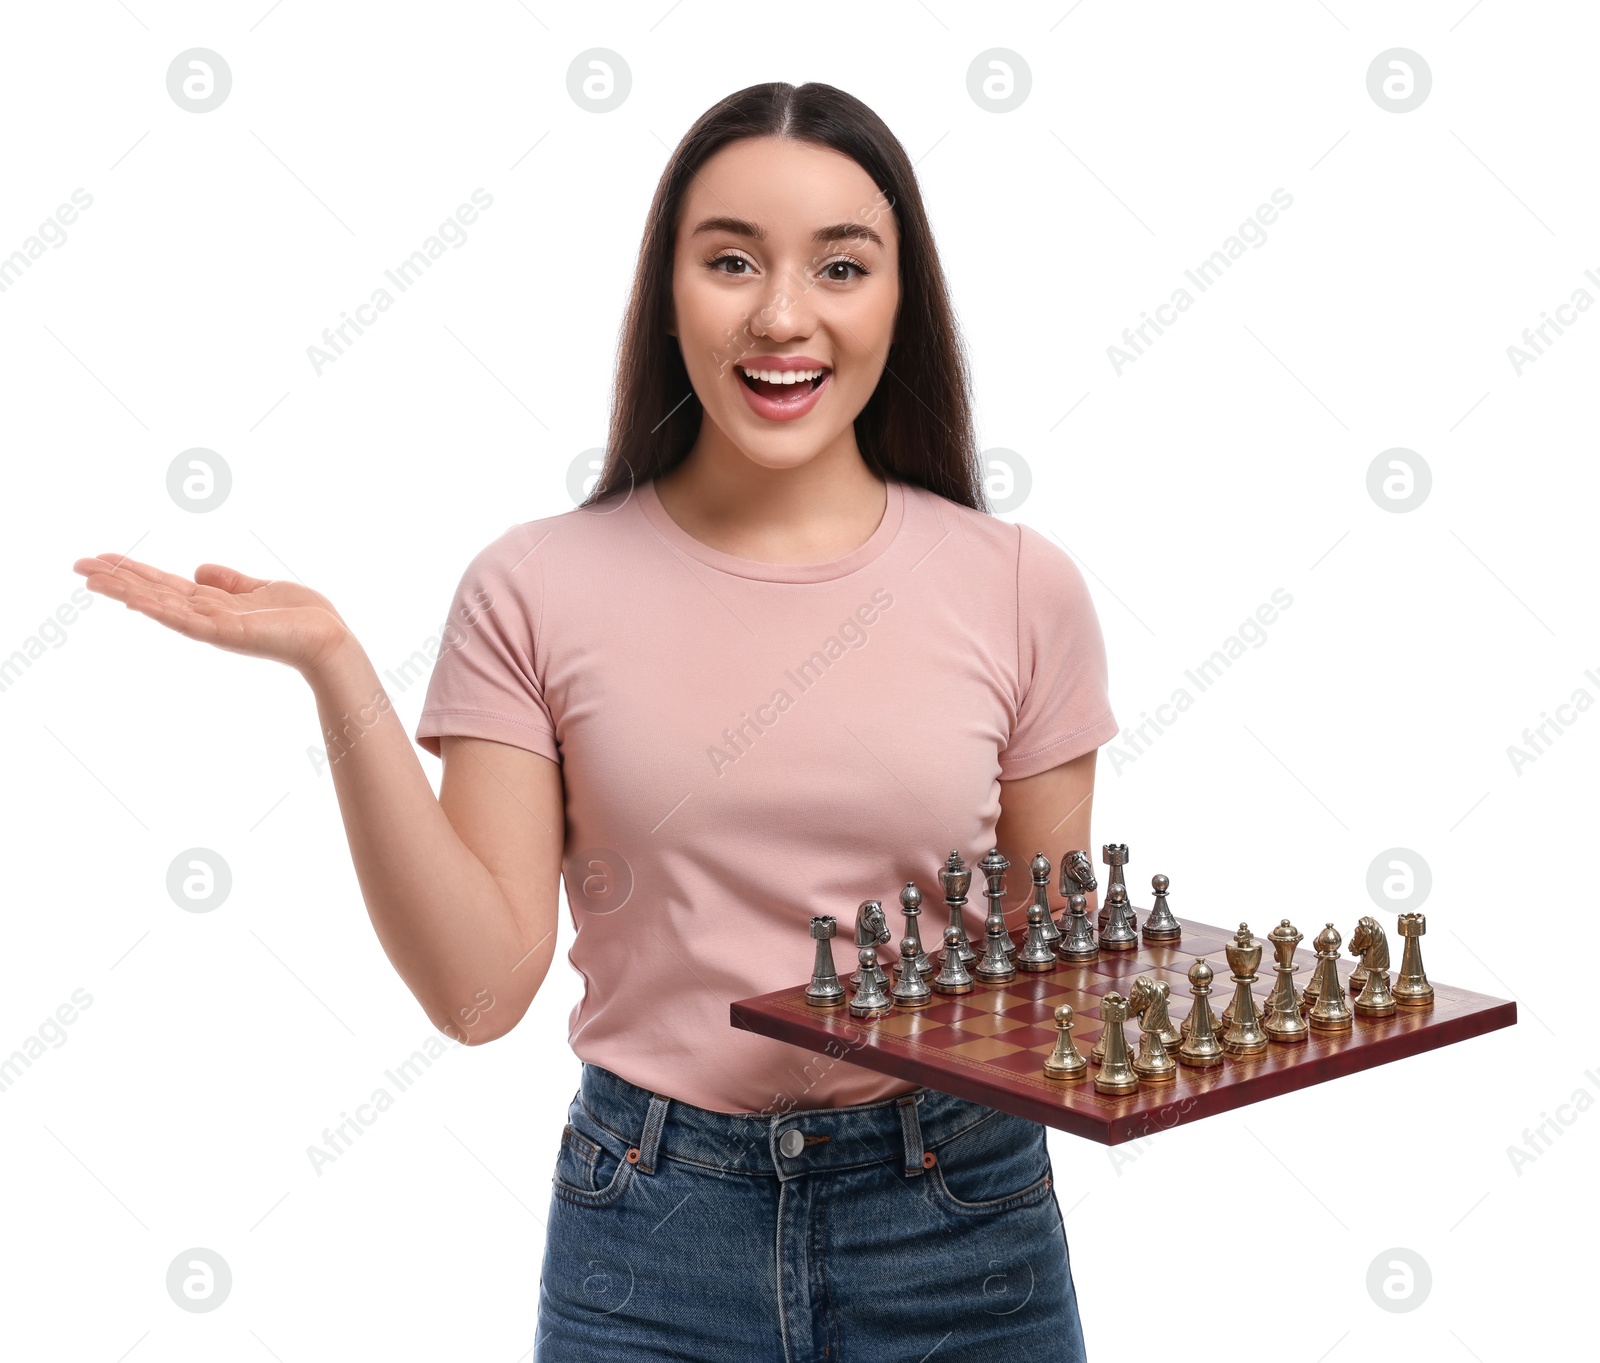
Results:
x,y
784,375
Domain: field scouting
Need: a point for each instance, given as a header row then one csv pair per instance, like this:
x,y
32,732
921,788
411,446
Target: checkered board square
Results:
x,y
990,1045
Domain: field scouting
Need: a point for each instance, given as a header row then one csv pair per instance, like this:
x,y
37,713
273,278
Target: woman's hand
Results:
x,y
267,619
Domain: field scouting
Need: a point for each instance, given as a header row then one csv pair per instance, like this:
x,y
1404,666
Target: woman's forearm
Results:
x,y
441,918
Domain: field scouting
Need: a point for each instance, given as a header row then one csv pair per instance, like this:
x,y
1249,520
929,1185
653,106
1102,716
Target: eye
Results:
x,y
848,263
727,256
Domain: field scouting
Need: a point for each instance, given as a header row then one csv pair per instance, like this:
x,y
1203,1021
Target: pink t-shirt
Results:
x,y
746,744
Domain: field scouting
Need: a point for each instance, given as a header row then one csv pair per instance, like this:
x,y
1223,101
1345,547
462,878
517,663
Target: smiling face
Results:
x,y
786,264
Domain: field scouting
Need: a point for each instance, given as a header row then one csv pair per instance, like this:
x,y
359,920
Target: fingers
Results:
x,y
228,579
121,563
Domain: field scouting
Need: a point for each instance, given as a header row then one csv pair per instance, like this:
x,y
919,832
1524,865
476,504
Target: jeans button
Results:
x,y
792,1142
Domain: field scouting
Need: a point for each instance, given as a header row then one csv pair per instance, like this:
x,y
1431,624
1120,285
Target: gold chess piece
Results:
x,y
1200,1048
1153,1064
1375,1000
1116,1073
1282,1021
1331,1012
1411,989
1066,1060
1244,1035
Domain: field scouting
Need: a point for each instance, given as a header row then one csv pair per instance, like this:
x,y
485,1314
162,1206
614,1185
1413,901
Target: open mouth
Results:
x,y
786,389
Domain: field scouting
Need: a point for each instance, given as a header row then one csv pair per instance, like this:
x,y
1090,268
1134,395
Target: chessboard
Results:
x,y
989,1046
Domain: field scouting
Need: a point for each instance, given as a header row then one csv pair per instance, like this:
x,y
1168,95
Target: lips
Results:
x,y
782,401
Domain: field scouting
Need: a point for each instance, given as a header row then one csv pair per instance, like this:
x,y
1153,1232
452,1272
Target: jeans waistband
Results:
x,y
898,1131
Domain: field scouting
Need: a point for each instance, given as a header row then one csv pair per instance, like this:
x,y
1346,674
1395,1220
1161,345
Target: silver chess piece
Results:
x,y
1077,942
957,879
1041,896
1121,932
1077,873
953,976
871,998
825,989
911,990
994,867
1036,953
1159,925
911,906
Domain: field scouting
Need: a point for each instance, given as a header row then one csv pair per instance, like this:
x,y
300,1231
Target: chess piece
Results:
x,y
1041,896
1116,1073
911,906
1120,932
1282,1020
1200,1048
1077,873
1036,953
1077,942
825,990
1244,1035
957,878
953,976
1147,1001
994,966
1372,997
872,932
1411,988
1330,1013
911,990
871,999
993,867
1159,925
1066,1060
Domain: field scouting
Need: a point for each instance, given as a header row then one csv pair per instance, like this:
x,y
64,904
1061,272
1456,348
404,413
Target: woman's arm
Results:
x,y
1046,813
462,889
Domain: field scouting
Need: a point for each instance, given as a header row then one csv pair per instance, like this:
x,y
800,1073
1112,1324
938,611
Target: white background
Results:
x,y
1229,460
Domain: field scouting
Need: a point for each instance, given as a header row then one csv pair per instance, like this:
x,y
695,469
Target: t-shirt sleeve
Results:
x,y
485,681
1065,707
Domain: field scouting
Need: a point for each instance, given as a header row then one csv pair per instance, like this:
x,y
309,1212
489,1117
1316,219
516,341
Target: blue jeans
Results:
x,y
919,1227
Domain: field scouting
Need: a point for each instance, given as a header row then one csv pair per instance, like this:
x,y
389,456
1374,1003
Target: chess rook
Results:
x,y
1411,989
825,989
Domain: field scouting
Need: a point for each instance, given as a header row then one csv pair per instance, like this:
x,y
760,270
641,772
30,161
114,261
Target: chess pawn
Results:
x,y
1281,1020
1041,895
1375,999
995,967
1153,1064
870,999
1116,1073
911,989
1120,931
1331,1012
825,990
956,879
953,976
1411,987
1036,953
1066,1060
872,928
911,906
1244,1035
1159,925
1077,942
1200,1048
993,867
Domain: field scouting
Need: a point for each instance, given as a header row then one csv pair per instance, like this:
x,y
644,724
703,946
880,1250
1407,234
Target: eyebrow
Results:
x,y
839,231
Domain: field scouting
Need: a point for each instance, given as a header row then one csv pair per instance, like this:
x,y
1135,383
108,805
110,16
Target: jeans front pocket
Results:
x,y
593,1165
999,1164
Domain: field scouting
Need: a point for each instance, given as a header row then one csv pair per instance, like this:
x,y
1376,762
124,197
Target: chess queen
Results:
x,y
773,653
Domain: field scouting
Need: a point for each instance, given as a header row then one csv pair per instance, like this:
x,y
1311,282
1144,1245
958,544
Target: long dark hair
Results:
x,y
917,425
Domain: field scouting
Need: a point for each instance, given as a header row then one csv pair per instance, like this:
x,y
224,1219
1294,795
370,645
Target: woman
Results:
x,y
779,661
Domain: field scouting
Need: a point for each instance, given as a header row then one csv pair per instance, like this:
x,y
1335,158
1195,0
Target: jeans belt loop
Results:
x,y
911,1130
654,1120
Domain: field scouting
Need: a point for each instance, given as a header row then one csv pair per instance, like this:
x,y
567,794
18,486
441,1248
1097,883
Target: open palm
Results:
x,y
221,606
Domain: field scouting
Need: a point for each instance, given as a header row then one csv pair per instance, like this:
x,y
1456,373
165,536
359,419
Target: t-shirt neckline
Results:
x,y
863,554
